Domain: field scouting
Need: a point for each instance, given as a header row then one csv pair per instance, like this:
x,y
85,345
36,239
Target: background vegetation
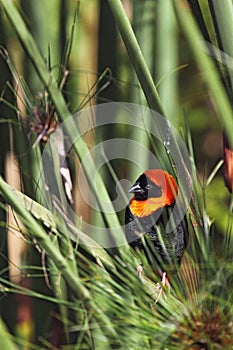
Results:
x,y
53,293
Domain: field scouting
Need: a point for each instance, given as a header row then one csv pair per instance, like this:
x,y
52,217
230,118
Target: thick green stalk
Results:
x,y
136,56
144,26
167,59
222,11
206,65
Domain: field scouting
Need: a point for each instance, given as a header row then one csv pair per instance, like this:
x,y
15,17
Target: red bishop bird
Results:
x,y
146,219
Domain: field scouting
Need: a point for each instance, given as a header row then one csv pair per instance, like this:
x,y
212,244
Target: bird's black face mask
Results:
x,y
144,188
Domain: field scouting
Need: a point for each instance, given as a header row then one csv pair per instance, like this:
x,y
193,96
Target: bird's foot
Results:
x,y
159,288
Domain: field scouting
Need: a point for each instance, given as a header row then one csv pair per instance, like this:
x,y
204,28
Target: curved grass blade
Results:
x,y
50,221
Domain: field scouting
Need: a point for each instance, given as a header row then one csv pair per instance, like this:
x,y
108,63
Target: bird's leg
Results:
x,y
165,281
159,286
139,271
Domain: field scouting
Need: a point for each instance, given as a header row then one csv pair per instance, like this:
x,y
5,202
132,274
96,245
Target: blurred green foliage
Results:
x,y
91,50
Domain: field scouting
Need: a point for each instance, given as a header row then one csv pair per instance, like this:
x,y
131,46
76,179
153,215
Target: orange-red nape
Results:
x,y
169,192
166,181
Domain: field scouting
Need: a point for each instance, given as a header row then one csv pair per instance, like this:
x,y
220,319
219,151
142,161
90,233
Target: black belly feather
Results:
x,y
149,234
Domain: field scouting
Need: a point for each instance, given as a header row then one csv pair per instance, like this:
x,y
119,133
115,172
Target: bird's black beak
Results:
x,y
136,188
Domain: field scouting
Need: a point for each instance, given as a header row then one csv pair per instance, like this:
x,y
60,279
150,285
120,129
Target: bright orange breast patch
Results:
x,y
146,207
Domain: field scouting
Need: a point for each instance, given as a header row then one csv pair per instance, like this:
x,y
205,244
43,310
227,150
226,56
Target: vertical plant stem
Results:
x,y
136,56
144,27
206,65
222,14
167,58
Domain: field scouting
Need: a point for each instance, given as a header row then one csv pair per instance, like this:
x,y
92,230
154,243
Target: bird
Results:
x,y
146,217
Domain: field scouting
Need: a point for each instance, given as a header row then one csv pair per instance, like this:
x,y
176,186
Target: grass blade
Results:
x,y
206,65
136,55
47,78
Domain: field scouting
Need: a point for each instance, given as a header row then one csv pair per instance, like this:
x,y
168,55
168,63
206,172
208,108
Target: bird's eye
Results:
x,y
148,186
